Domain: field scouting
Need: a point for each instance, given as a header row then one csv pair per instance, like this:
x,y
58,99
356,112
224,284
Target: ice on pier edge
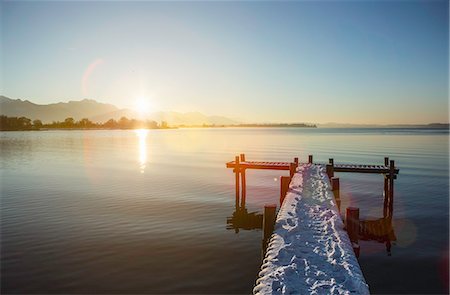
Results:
x,y
309,252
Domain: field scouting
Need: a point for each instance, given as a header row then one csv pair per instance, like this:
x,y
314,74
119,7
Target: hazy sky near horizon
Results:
x,y
327,61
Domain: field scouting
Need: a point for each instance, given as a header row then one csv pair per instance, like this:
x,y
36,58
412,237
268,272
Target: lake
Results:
x,y
127,211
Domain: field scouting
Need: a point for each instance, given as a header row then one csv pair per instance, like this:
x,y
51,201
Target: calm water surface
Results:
x,y
146,211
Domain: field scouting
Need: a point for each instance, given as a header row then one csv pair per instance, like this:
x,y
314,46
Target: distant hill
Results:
x,y
86,108
348,125
99,112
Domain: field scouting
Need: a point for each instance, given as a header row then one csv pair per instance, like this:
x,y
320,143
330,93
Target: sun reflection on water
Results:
x,y
142,135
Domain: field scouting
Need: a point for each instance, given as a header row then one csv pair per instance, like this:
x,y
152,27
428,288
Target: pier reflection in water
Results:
x,y
242,219
379,230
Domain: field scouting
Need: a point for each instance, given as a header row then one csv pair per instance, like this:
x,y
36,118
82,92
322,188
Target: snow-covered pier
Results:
x,y
309,251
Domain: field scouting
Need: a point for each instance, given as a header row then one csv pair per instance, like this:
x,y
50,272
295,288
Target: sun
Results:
x,y
142,105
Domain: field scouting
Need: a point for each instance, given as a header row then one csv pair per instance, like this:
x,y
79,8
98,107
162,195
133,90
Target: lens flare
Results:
x,y
87,74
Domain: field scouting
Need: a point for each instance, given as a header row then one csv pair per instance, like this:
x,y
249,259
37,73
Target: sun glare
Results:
x,y
142,135
142,105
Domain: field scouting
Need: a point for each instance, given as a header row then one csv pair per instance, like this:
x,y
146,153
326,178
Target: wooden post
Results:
x,y
310,159
236,171
292,168
391,186
386,190
296,161
330,171
269,221
335,184
244,184
352,223
356,248
284,187
268,225
336,191
244,188
331,162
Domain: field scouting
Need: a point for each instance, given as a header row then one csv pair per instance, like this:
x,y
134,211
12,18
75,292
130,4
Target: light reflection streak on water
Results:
x,y
142,135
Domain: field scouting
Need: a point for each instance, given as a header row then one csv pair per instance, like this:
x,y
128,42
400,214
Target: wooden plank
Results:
x,y
261,165
363,168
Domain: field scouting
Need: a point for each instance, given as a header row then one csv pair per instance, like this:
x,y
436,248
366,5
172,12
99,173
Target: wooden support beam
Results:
x,y
269,221
335,186
391,186
236,172
284,187
330,171
292,168
386,190
243,182
244,188
310,159
385,196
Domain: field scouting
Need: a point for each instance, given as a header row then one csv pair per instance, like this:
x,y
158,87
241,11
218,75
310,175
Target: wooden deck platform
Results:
x,y
380,230
240,165
355,168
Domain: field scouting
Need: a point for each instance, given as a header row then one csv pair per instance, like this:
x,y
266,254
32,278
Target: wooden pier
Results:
x,y
380,230
308,188
240,165
309,248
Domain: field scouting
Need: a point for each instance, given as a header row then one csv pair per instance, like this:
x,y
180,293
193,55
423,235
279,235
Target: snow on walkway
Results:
x,y
309,251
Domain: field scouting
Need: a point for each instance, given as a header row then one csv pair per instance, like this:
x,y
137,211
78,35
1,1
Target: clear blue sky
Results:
x,y
356,62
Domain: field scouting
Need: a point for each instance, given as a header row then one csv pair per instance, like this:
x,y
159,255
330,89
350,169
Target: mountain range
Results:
x,y
99,112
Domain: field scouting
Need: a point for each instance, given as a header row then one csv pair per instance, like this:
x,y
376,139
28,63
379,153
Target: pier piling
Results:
x,y
284,187
391,186
330,171
269,221
292,167
236,171
335,186
243,181
386,189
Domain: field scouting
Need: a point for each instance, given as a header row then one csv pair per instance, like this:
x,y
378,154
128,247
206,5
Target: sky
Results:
x,y
372,62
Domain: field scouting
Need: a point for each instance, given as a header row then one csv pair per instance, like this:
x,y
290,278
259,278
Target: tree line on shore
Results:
x,y
23,123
